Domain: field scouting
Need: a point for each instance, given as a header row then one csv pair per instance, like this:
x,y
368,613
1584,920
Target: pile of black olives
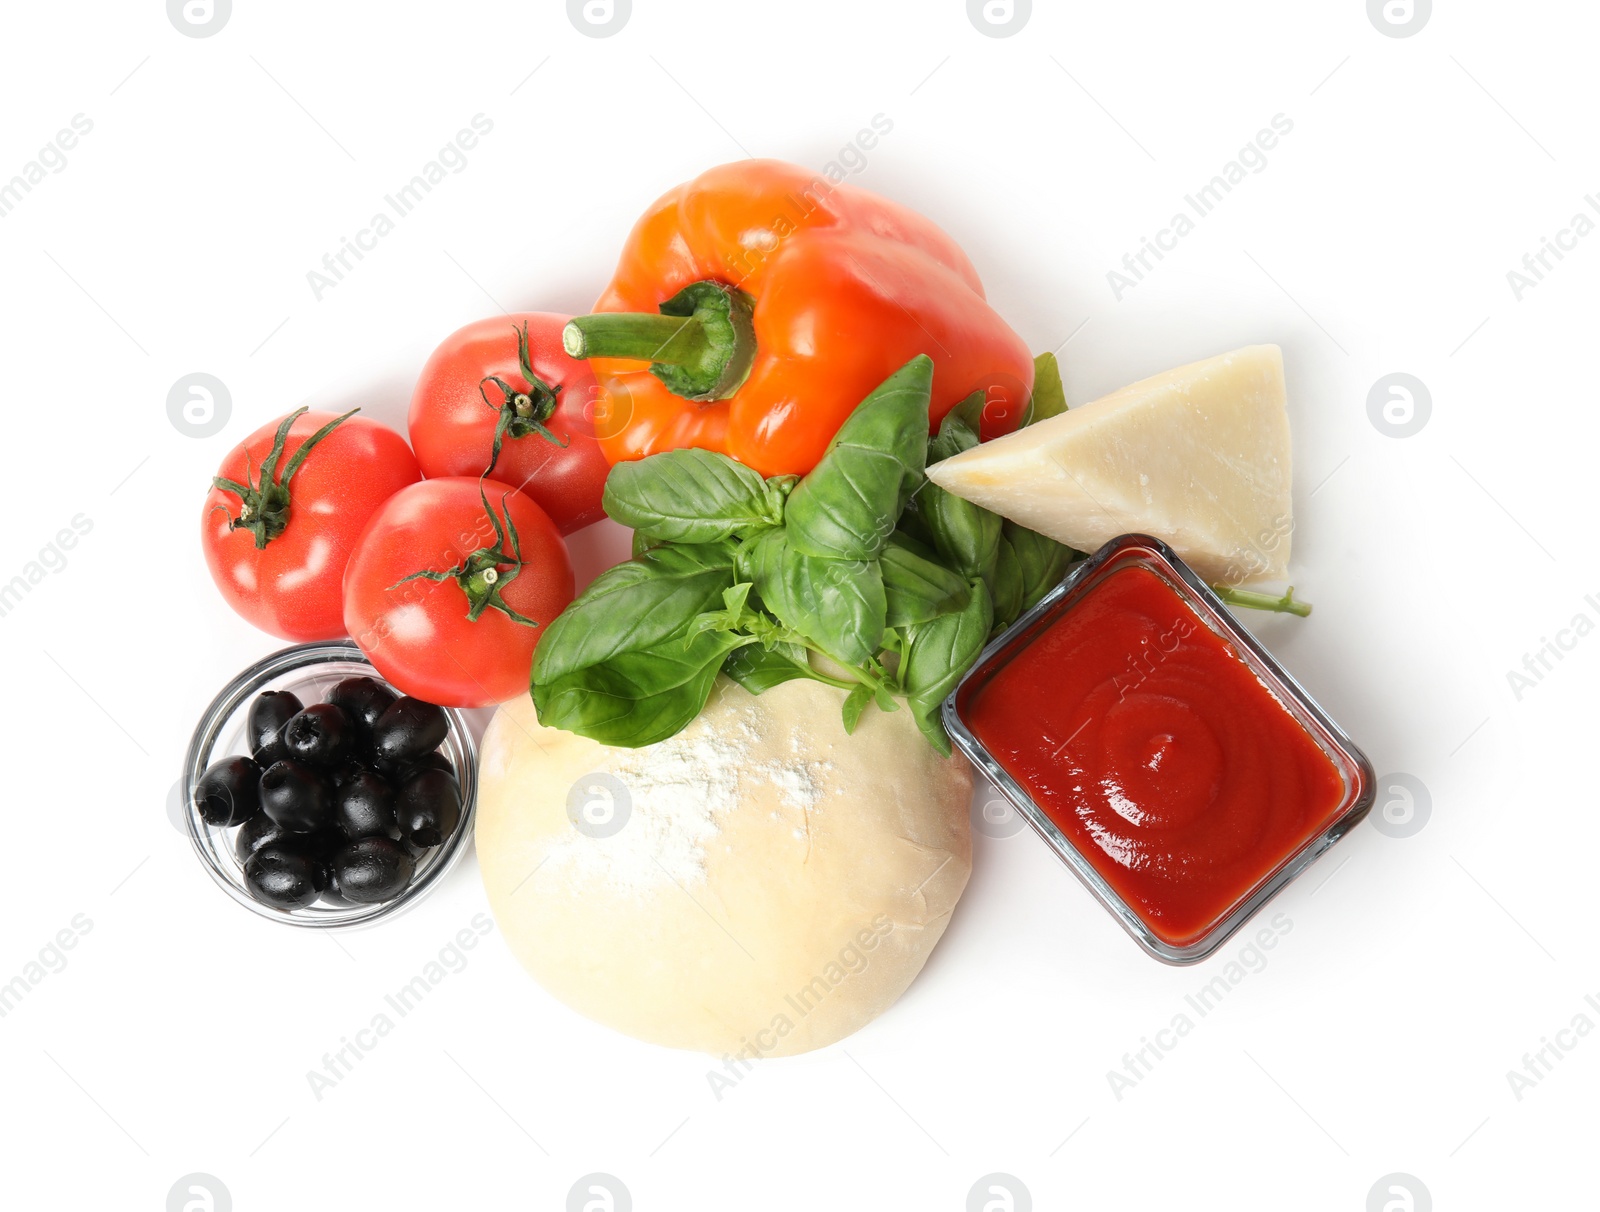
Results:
x,y
338,799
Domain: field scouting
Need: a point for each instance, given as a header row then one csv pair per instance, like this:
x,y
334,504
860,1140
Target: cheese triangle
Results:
x,y
1198,456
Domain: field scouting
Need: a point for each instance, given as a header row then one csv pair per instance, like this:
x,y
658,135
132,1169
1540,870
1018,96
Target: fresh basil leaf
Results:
x,y
917,589
1049,396
1042,560
913,526
929,723
959,430
915,544
847,507
839,605
937,655
966,536
690,496
1005,586
634,606
638,697
759,669
854,704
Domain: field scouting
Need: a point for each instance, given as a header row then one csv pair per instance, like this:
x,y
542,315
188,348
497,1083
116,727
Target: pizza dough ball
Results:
x,y
759,885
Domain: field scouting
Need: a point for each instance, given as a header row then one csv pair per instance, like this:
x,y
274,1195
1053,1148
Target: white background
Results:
x,y
1418,971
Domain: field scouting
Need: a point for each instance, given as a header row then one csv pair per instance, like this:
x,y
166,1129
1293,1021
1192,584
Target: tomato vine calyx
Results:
x,y
521,412
264,504
480,574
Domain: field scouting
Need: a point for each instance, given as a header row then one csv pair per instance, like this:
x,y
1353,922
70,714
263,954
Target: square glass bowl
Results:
x,y
310,671
1358,784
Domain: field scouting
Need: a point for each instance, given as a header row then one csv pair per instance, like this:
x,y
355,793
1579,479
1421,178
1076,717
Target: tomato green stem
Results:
x,y
483,574
522,412
701,345
264,502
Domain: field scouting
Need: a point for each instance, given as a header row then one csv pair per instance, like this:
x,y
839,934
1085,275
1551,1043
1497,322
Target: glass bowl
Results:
x,y
1354,771
309,671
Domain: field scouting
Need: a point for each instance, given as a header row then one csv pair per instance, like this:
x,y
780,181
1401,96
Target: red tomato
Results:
x,y
418,630
282,567
509,377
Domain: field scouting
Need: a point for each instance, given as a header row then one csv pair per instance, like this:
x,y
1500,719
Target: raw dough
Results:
x,y
769,885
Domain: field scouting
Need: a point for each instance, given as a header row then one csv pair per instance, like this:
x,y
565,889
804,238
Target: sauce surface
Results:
x,y
1157,752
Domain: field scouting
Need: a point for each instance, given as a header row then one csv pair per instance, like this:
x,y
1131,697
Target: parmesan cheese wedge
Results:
x,y
1198,456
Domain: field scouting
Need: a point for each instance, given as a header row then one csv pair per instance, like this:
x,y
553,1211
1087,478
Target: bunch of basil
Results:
x,y
861,558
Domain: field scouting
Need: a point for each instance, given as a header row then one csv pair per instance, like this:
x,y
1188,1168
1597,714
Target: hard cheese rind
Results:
x,y
1198,456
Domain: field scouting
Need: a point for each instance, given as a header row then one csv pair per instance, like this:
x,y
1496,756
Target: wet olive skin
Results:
x,y
364,807
372,870
264,725
260,831
428,808
282,877
363,700
320,736
296,797
409,729
228,793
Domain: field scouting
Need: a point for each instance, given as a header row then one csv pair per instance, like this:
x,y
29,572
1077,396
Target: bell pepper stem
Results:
x,y
701,345
674,340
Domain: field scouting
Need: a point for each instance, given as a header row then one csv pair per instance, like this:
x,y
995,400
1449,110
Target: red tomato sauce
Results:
x,y
1159,754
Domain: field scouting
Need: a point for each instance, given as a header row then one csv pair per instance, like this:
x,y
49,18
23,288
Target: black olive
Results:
x,y
428,808
400,773
268,714
372,870
320,847
296,797
433,761
363,700
346,770
227,792
261,830
364,807
282,877
331,894
319,736
409,729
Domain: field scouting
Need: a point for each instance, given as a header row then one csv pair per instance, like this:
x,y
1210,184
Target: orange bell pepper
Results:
x,y
754,307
